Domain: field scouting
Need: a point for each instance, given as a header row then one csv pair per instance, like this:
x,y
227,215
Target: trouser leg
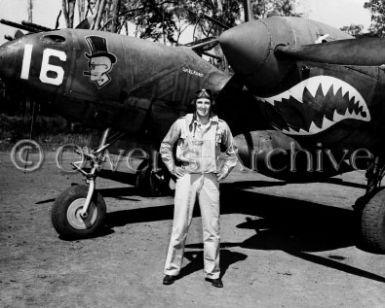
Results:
x,y
185,193
209,205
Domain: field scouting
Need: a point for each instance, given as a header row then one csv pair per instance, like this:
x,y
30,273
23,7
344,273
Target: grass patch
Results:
x,y
49,132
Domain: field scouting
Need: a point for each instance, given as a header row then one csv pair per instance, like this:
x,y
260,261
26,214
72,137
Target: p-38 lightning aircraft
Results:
x,y
298,85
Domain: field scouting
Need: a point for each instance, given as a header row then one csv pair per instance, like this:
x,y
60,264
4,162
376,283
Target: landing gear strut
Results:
x,y
371,208
80,210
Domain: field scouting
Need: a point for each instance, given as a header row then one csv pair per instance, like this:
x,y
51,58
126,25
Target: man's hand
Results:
x,y
223,174
178,172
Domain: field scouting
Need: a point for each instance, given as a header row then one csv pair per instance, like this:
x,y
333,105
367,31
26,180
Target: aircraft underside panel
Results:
x,y
279,156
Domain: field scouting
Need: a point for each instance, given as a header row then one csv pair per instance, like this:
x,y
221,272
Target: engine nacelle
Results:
x,y
279,156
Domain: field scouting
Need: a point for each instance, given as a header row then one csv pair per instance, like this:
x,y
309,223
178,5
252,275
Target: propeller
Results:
x,y
365,52
203,44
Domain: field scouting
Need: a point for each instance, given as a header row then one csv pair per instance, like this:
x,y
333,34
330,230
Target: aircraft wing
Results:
x,y
365,51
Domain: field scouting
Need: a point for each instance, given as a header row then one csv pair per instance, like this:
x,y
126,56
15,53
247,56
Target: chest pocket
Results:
x,y
185,151
218,137
219,140
182,142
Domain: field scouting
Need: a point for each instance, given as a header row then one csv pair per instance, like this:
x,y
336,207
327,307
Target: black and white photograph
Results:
x,y
179,153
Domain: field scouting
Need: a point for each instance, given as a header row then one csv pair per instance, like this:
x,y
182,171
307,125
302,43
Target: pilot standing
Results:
x,y
199,165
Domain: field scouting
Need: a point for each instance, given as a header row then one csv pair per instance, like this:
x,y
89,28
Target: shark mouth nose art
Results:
x,y
315,104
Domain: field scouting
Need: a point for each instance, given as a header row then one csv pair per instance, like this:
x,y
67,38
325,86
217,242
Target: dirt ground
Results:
x,y
282,246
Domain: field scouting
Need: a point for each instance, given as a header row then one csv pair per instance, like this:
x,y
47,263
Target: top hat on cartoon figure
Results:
x,y
99,48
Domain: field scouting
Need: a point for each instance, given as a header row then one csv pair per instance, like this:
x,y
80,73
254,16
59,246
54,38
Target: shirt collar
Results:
x,y
213,119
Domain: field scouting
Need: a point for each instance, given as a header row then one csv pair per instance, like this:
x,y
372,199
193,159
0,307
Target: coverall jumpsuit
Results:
x,y
198,152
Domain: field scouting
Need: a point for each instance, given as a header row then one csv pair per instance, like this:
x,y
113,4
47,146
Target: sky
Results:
x,y
336,13
45,13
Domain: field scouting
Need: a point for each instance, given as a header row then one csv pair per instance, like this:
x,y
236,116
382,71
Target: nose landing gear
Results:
x,y
80,210
67,217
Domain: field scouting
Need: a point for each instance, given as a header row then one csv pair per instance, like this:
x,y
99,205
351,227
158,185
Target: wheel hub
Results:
x,y
75,218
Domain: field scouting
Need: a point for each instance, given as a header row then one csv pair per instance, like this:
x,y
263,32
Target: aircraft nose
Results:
x,y
246,46
1,59
4,60
11,54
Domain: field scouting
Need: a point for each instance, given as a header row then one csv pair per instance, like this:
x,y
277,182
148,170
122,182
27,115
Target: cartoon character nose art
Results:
x,y
100,61
316,104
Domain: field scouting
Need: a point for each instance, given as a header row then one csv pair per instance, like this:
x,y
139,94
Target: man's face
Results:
x,y
99,66
203,106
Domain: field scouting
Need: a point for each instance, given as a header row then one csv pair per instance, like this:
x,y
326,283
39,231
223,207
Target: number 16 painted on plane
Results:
x,y
46,67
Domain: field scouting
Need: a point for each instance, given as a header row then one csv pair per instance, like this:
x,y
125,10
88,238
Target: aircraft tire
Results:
x,y
151,184
65,213
373,223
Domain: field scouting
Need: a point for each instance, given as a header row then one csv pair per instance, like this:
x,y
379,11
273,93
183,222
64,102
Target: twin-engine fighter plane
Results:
x,y
305,101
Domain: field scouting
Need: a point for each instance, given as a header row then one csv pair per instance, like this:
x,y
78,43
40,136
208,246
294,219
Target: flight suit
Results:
x,y
198,152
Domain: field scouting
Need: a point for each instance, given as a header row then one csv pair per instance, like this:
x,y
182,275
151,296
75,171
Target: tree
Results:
x,y
30,10
82,9
266,8
115,9
68,8
377,10
153,19
166,20
353,30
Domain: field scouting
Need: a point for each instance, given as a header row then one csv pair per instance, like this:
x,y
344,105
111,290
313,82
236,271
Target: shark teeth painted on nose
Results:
x,y
322,85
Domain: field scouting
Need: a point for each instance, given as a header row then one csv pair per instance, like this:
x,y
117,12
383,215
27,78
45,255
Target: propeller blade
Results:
x,y
217,22
213,20
203,44
365,51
